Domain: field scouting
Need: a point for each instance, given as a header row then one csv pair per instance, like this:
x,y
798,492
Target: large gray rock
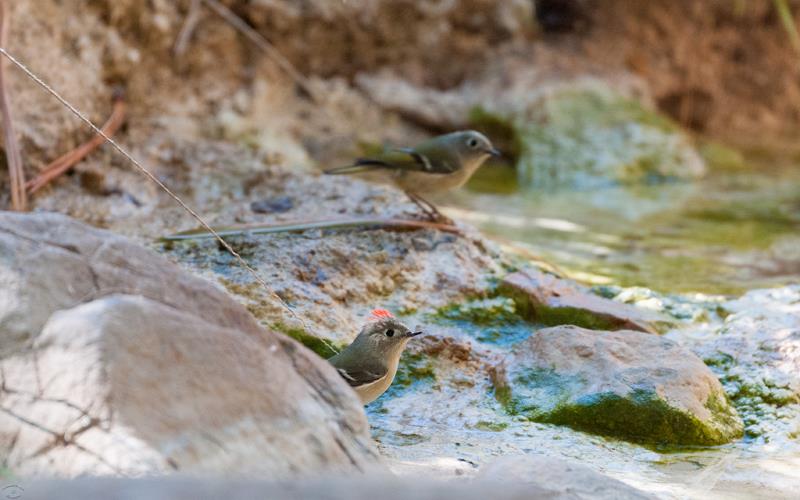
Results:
x,y
116,361
563,479
551,300
50,262
626,384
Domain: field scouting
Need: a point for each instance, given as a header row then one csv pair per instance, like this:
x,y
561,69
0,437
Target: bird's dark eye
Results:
x,y
389,332
473,143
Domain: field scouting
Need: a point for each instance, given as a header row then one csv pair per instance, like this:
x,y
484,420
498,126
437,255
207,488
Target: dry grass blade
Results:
x,y
67,161
189,24
19,198
367,223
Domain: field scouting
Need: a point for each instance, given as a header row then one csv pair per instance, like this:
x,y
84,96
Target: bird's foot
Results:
x,y
439,218
429,211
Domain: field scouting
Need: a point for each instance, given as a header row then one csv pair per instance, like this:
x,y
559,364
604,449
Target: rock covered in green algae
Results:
x,y
756,353
586,136
626,384
552,301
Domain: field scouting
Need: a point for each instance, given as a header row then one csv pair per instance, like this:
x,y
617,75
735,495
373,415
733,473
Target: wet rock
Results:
x,y
559,477
693,308
485,312
550,300
332,278
116,361
756,353
626,384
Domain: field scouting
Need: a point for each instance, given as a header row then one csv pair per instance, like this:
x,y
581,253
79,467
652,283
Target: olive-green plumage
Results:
x,y
369,363
439,164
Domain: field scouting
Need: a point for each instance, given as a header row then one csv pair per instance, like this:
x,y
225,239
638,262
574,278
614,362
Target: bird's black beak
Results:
x,y
494,152
413,334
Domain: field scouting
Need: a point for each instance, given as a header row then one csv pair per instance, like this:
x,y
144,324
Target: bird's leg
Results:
x,y
431,212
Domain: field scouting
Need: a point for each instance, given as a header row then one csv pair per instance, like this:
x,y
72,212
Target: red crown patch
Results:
x,y
379,314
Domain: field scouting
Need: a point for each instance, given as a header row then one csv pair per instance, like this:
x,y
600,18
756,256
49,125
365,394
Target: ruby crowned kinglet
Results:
x,y
369,363
439,164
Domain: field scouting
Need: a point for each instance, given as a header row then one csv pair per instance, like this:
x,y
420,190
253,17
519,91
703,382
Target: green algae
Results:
x,y
492,320
721,157
323,348
555,316
414,368
592,136
641,416
482,312
762,403
484,425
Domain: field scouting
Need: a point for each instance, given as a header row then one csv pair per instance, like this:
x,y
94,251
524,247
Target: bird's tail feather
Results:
x,y
360,165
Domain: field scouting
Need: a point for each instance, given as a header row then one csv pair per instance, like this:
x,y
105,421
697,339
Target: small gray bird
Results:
x,y
369,363
439,164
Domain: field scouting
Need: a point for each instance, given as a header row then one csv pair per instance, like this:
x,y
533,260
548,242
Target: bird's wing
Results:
x,y
355,370
406,159
361,376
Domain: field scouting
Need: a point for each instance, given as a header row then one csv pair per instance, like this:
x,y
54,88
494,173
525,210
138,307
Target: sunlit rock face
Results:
x,y
625,384
116,361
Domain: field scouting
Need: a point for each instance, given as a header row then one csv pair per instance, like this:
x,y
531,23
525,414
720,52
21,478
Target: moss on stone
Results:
x,y
502,131
554,316
589,136
640,416
323,348
482,312
484,425
721,157
414,367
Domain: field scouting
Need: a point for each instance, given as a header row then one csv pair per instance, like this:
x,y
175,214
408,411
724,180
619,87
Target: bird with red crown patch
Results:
x,y
369,363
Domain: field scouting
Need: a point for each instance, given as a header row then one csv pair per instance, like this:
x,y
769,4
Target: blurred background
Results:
x,y
663,132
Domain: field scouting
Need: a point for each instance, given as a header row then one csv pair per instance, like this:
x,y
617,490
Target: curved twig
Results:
x,y
68,160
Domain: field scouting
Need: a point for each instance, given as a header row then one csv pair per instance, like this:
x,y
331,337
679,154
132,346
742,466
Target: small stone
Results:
x,y
277,205
551,300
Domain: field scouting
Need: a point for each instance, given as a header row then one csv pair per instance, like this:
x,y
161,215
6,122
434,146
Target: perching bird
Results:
x,y
439,164
369,363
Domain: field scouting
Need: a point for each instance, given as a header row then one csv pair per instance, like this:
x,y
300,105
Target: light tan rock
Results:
x,y
50,262
125,364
